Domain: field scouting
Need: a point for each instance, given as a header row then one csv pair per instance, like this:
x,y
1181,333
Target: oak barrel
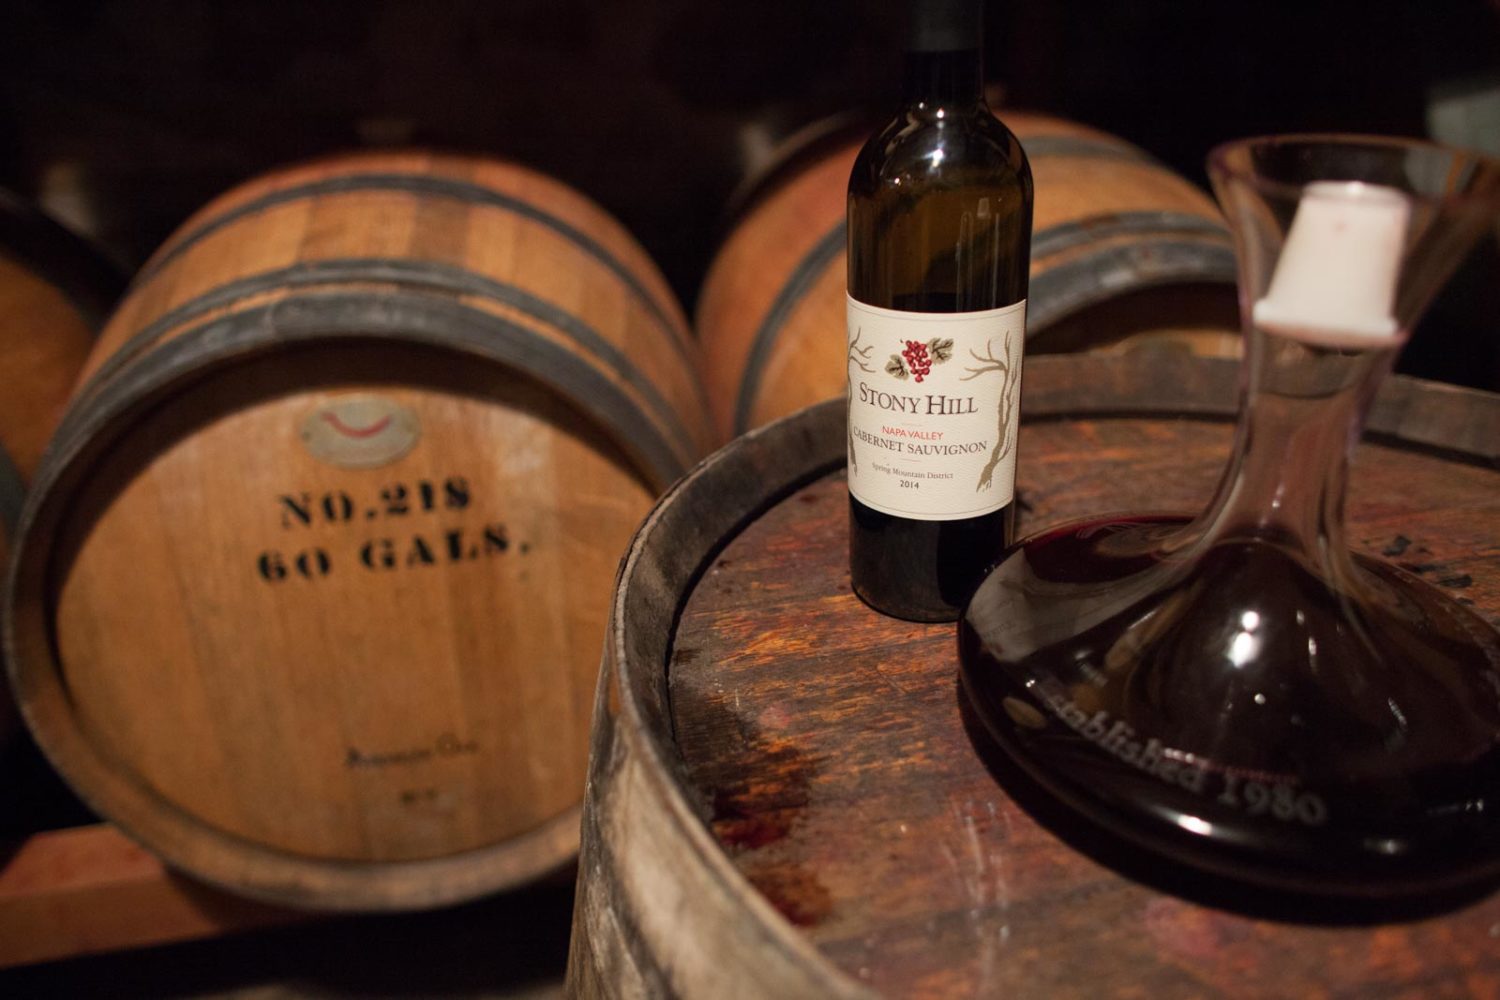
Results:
x,y
786,798
1123,251
310,589
55,292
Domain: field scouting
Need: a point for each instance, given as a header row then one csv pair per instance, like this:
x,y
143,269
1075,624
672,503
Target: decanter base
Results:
x,y
1229,706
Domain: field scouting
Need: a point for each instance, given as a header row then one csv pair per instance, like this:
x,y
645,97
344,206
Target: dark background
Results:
x,y
124,116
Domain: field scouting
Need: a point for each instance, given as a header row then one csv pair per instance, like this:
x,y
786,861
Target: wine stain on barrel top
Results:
x,y
758,796
795,892
741,830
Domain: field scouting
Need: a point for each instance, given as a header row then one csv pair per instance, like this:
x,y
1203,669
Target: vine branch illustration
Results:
x,y
861,358
1005,433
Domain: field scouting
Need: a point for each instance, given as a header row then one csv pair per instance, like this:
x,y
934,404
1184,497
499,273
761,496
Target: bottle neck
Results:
x,y
943,79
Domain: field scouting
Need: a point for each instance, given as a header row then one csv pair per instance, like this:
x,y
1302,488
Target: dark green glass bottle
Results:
x,y
939,248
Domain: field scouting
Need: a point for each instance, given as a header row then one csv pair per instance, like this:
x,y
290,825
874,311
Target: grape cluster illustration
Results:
x,y
917,358
917,361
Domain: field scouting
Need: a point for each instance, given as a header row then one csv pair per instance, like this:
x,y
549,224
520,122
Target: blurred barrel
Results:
x,y
310,590
1123,251
55,292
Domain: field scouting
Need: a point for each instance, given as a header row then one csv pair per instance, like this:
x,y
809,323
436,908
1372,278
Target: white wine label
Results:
x,y
934,406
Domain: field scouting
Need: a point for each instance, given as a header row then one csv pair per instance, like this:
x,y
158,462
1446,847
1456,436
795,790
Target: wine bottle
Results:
x,y
939,245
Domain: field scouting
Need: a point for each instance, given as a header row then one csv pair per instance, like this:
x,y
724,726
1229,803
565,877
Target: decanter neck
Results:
x,y
1302,410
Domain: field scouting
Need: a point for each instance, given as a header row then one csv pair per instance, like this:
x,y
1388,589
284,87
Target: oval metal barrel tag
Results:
x,y
360,431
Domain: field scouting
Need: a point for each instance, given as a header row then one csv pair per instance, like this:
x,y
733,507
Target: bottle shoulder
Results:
x,y
922,148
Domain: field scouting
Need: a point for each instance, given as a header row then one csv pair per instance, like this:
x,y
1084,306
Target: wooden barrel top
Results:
x,y
310,586
829,751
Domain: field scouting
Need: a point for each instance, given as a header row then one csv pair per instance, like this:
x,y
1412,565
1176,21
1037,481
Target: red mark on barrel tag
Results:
x,y
359,432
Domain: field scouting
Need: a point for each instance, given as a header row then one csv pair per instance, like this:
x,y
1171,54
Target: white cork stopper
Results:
x,y
1335,282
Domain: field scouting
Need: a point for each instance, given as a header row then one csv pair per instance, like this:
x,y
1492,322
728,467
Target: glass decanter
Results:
x,y
1238,690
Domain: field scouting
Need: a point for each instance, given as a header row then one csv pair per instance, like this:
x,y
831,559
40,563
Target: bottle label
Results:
x,y
934,407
